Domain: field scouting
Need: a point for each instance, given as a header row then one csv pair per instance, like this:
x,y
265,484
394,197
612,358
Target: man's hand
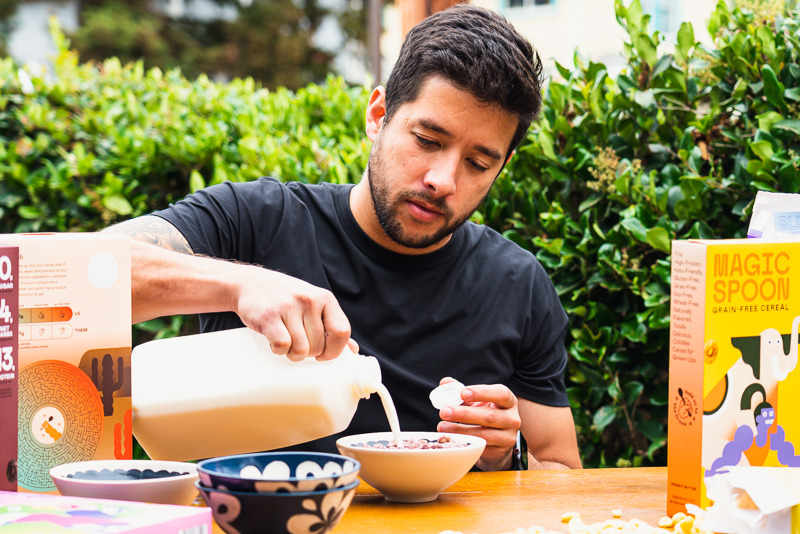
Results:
x,y
490,412
299,320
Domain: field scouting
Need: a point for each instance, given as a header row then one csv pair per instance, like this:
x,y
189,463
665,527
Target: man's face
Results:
x,y
433,164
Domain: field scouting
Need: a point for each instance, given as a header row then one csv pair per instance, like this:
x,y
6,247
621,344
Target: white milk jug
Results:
x,y
222,393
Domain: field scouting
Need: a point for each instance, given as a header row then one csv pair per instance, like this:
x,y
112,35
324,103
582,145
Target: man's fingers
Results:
x,y
280,341
486,416
300,344
501,439
337,330
315,333
498,394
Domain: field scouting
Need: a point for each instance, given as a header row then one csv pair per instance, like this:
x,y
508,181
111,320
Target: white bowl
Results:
x,y
412,475
175,489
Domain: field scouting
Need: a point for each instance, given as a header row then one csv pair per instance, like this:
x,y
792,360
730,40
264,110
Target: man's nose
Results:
x,y
441,177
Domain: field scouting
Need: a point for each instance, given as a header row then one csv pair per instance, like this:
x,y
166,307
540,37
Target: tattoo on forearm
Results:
x,y
156,231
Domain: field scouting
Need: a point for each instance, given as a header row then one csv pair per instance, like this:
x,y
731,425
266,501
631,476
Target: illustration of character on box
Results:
x,y
740,411
94,517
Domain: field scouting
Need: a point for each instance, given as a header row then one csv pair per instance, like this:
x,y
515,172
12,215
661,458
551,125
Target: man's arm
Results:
x,y
299,319
551,437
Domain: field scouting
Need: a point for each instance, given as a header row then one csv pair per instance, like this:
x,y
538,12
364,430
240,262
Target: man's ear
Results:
x,y
376,111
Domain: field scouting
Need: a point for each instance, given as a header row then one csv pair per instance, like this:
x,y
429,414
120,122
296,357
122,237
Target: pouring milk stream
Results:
x,y
224,393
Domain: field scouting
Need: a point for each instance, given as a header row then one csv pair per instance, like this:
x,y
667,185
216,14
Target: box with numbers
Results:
x,y
9,297
74,335
734,385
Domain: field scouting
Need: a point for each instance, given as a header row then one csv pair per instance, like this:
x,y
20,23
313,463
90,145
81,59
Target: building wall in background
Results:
x,y
558,27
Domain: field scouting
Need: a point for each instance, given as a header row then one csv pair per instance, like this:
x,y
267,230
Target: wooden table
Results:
x,y
494,503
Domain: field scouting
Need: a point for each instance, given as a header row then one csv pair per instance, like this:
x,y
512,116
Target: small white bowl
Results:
x,y
174,489
412,475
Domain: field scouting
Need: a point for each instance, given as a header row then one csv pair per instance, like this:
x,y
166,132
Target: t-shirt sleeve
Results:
x,y
539,376
235,221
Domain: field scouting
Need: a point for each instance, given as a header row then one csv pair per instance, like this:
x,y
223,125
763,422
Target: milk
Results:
x,y
391,414
223,393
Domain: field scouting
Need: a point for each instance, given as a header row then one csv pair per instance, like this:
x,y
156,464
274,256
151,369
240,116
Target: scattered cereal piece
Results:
x,y
677,517
710,349
535,529
666,522
565,518
616,513
684,525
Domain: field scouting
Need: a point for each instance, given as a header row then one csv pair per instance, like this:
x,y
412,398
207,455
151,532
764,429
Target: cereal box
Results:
x,y
9,296
733,384
22,513
74,332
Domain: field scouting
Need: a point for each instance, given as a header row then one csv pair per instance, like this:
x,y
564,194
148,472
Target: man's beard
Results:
x,y
387,210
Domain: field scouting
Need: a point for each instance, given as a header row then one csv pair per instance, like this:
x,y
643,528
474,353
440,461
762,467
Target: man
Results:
x,y
391,260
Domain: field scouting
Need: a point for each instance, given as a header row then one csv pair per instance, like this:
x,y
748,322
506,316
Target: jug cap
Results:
x,y
447,395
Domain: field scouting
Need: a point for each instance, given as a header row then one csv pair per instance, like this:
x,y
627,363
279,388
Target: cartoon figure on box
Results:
x,y
733,431
98,518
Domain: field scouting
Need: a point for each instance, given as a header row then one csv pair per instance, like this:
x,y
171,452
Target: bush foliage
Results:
x,y
674,146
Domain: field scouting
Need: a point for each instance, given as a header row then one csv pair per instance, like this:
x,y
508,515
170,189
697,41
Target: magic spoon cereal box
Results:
x,y
73,327
734,385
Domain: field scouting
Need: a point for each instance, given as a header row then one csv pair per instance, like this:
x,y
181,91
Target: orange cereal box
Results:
x,y
733,383
74,335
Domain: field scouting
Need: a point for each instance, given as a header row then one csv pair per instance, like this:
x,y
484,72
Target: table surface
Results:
x,y
494,503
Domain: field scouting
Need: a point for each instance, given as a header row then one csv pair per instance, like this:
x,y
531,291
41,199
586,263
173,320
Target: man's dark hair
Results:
x,y
477,51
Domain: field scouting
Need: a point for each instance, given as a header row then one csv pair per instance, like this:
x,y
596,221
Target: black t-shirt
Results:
x,y
480,309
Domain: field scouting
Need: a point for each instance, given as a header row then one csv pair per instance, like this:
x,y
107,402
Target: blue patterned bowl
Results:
x,y
278,472
238,512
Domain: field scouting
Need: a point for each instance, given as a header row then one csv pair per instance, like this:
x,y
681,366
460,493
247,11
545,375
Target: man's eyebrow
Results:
x,y
488,152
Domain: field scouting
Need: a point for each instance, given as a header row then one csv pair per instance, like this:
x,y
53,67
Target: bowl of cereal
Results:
x,y
429,463
151,481
278,472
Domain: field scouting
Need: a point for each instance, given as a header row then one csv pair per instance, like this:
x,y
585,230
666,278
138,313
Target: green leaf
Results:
x,y
118,204
635,227
644,98
633,390
768,119
764,33
739,89
604,417
685,41
664,63
658,238
791,127
793,93
647,48
634,15
196,181
762,149
773,89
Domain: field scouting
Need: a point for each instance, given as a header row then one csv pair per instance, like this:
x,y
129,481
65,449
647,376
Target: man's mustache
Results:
x,y
439,203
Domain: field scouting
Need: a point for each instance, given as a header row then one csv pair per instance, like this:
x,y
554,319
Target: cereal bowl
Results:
x,y
276,472
128,480
412,475
244,512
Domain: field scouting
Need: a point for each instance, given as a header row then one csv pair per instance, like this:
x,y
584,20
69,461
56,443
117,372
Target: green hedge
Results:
x,y
675,146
